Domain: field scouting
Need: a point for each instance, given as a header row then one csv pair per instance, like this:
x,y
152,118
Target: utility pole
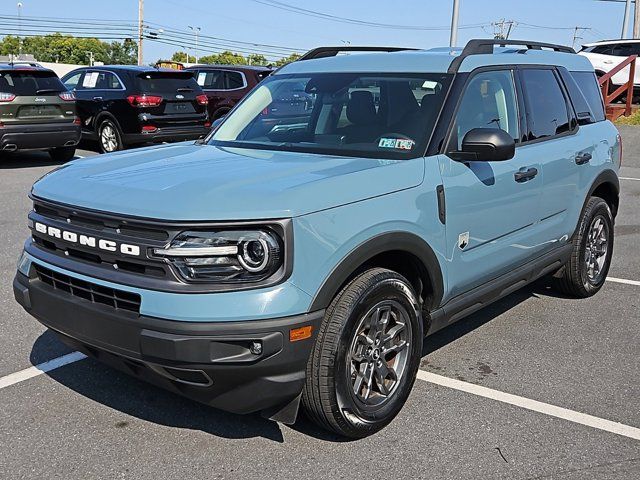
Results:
x,y
625,23
636,21
454,23
140,31
502,29
19,30
577,37
196,30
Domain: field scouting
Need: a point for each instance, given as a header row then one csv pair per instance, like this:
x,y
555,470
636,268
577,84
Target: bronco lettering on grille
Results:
x,y
87,241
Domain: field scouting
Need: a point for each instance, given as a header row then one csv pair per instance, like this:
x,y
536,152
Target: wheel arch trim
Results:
x,y
384,242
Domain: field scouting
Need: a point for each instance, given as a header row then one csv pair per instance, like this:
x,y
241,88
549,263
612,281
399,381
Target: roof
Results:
x,y
436,60
24,66
611,42
131,68
257,68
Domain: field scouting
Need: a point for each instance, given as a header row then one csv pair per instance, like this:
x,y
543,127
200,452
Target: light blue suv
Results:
x,y
302,255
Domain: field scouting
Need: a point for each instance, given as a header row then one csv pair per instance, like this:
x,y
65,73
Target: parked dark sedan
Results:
x,y
121,106
226,85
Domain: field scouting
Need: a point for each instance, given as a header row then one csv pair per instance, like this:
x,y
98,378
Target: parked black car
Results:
x,y
121,106
36,112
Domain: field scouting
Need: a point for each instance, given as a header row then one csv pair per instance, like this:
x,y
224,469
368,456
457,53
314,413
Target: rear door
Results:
x,y
556,140
31,96
97,90
174,98
491,207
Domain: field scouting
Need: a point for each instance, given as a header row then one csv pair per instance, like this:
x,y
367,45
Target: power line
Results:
x,y
353,21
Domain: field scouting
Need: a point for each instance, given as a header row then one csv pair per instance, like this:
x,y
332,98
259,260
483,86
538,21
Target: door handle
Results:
x,y
525,174
583,158
97,99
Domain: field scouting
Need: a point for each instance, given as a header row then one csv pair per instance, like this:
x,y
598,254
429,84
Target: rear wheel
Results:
x,y
62,154
366,356
109,137
585,272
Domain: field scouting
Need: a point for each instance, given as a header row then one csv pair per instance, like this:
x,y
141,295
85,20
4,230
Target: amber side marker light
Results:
x,y
301,333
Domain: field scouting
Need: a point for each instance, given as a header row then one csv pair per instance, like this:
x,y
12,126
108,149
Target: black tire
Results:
x,y
109,137
62,154
574,278
329,396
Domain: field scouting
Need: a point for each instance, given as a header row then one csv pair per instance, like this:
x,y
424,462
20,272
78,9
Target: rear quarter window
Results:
x,y
29,83
588,84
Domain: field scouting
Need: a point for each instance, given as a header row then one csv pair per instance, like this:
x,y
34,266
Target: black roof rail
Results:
x,y
485,46
323,52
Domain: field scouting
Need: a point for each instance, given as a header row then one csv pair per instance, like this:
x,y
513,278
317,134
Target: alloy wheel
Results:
x,y
379,353
596,249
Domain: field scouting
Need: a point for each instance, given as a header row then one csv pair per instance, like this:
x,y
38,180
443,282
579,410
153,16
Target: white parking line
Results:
x,y
629,178
623,280
534,405
39,369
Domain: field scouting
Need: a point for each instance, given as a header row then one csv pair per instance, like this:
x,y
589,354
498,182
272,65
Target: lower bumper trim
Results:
x,y
211,362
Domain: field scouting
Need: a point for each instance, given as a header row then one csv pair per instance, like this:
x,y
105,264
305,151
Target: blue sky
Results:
x,y
251,21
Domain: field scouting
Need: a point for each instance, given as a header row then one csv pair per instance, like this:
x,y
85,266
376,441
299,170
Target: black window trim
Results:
x,y
244,80
569,106
469,77
571,74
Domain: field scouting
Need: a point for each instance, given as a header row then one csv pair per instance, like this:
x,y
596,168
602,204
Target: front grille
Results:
x,y
91,292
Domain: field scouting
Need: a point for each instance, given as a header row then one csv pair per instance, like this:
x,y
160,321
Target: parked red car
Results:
x,y
225,85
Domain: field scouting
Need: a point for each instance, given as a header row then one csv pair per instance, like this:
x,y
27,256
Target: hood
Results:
x,y
188,181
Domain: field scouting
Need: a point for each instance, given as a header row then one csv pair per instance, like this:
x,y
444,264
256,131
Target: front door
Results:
x,y
491,207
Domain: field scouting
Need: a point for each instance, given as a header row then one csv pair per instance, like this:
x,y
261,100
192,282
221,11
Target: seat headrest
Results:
x,y
361,109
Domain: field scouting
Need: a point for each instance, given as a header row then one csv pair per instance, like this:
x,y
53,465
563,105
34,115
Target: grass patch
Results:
x,y
633,119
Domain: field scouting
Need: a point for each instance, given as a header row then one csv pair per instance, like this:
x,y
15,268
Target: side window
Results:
x,y
547,107
489,101
72,81
100,80
108,81
603,49
588,84
234,80
211,79
623,50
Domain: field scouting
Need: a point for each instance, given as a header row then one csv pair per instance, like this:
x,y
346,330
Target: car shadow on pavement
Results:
x,y
141,400
15,161
539,288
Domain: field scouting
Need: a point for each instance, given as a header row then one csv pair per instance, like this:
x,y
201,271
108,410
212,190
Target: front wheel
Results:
x,y
365,359
586,270
109,137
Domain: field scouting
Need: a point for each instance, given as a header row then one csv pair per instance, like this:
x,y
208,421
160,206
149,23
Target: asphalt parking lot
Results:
x,y
84,420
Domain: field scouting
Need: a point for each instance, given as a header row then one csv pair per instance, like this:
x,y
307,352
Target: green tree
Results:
x,y
257,59
291,58
68,49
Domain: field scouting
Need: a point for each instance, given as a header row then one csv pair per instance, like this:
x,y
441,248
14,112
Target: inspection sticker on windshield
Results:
x,y
398,143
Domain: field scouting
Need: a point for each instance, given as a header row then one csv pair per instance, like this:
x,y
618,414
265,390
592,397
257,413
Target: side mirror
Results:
x,y
488,144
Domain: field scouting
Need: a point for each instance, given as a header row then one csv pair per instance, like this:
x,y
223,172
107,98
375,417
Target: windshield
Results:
x,y
368,115
30,83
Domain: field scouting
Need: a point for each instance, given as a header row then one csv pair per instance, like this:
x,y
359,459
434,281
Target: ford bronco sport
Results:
x,y
302,260
37,112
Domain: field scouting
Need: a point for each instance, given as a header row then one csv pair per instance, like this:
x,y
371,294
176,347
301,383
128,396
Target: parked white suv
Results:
x,y
605,56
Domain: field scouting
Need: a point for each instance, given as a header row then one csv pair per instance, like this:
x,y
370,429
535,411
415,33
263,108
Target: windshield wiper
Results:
x,y
47,90
185,89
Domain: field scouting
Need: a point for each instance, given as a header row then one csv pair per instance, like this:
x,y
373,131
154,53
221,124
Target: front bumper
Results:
x,y
211,362
39,136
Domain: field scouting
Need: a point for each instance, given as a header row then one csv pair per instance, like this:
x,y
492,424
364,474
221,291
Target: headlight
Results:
x,y
229,256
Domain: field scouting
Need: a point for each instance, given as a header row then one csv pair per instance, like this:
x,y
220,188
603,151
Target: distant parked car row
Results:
x,y
117,106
